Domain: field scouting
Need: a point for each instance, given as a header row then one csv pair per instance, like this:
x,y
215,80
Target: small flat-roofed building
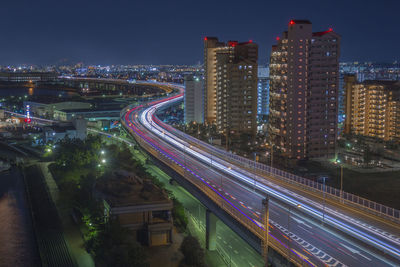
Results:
x,y
89,114
75,129
138,205
47,109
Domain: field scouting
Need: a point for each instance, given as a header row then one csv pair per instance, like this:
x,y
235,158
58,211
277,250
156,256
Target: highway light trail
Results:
x,y
146,119
144,115
166,154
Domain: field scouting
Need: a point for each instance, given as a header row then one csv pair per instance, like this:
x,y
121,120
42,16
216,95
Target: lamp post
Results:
x,y
272,154
341,179
323,209
226,141
341,182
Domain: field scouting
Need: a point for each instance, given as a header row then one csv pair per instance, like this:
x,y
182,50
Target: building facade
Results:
x,y
230,86
47,109
372,108
263,92
304,82
138,205
194,99
77,128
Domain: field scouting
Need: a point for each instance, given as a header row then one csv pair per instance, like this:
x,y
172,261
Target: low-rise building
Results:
x,y
89,114
46,109
138,205
74,129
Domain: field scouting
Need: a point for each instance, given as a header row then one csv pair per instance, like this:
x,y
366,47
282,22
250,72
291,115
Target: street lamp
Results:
x,y
265,203
338,161
323,210
272,155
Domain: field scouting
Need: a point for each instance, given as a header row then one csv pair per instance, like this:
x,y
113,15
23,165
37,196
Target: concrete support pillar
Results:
x,y
211,230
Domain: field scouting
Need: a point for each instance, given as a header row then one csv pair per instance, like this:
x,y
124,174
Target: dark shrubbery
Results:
x,y
192,252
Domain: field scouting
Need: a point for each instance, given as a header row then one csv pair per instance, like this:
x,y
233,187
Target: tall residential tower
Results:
x,y
372,108
230,72
194,99
263,92
304,80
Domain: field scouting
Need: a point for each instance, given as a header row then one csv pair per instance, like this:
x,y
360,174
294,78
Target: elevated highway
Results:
x,y
304,226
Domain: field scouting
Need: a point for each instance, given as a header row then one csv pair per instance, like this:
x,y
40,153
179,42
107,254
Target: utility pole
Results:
x,y
323,211
226,141
341,183
184,155
211,152
272,155
254,174
288,223
265,244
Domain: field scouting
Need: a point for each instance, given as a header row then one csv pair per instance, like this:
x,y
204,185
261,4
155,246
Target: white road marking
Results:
x,y
355,251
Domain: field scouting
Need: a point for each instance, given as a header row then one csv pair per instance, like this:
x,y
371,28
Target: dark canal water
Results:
x,y
24,91
17,247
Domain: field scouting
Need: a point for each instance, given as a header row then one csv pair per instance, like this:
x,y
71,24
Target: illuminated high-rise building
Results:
x,y
230,86
304,80
263,92
372,108
194,99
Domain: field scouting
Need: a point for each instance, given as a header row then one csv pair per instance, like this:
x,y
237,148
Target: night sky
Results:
x,y
171,31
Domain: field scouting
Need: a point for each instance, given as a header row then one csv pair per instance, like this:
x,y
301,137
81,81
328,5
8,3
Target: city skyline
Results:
x,y
103,33
209,133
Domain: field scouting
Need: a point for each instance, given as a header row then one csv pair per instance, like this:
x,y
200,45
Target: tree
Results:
x,y
192,252
114,246
178,213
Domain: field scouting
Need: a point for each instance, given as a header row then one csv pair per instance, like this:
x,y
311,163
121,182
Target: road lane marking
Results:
x,y
355,251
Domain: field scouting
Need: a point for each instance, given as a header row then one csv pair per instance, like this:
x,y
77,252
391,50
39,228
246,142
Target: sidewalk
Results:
x,y
71,230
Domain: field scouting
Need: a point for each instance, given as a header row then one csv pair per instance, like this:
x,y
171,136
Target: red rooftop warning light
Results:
x,y
291,22
232,43
205,38
277,38
250,41
330,30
